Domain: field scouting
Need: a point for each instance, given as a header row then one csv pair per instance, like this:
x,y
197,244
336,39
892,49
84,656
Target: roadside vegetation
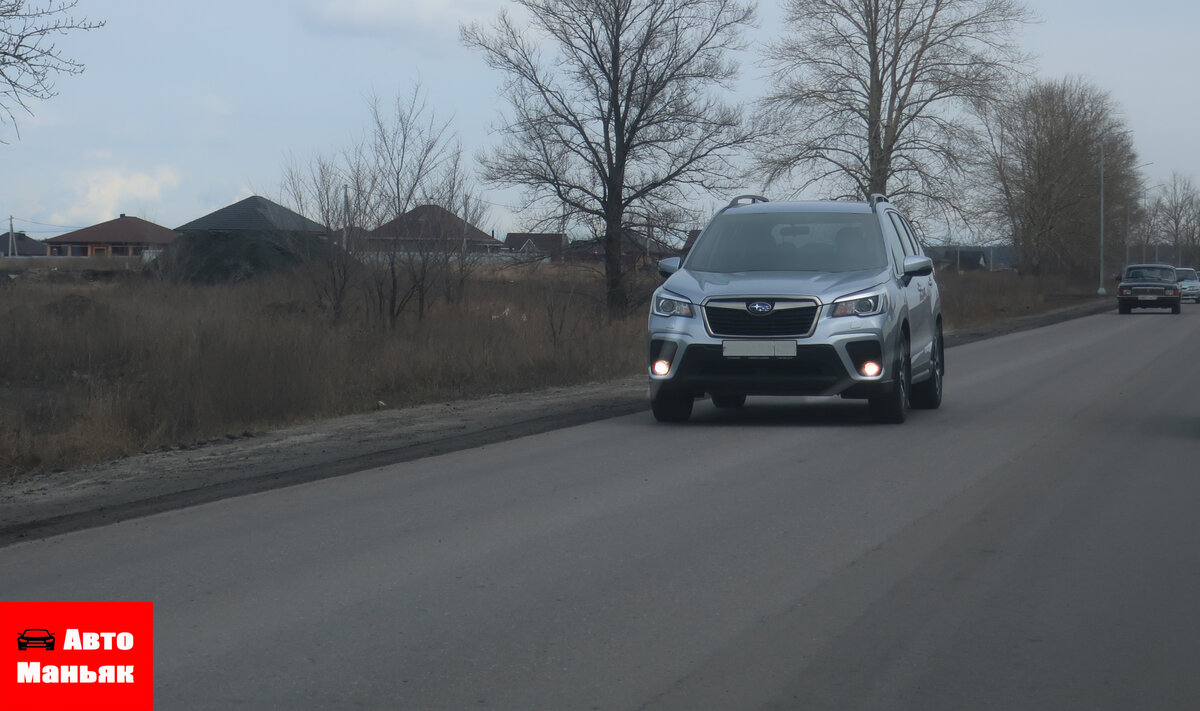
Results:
x,y
107,362
115,363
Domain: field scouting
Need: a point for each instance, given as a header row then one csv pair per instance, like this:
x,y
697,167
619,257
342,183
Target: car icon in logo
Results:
x,y
760,308
36,637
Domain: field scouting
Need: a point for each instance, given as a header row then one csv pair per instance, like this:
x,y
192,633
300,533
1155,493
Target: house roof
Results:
x,y
122,230
633,243
25,246
431,221
536,241
254,214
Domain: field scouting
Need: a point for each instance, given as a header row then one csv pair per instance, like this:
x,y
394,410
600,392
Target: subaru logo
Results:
x,y
760,308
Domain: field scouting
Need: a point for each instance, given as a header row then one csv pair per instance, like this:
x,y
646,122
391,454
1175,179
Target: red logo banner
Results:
x,y
77,656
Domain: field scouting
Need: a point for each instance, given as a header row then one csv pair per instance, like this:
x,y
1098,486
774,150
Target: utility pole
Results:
x,y
12,238
1101,291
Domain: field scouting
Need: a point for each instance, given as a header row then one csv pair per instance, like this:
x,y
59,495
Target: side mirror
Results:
x,y
668,266
917,266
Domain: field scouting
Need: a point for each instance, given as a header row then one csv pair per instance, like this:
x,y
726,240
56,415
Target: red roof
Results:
x,y
123,230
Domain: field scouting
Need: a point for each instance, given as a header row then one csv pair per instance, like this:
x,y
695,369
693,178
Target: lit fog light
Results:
x,y
870,369
662,367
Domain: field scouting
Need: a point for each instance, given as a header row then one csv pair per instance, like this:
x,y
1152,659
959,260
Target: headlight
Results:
x,y
669,306
860,305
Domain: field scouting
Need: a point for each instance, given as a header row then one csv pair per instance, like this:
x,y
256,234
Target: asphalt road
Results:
x,y
1031,545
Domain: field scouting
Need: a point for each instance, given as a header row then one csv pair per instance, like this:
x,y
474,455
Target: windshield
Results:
x,y
1185,274
789,241
1151,273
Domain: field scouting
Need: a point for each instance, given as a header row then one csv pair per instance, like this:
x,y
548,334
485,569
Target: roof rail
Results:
x,y
877,198
752,199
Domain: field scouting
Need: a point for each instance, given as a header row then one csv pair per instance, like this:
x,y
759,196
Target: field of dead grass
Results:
x,y
109,362
100,368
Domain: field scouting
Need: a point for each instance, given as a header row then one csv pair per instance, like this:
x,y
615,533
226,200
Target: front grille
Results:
x,y
789,319
1148,291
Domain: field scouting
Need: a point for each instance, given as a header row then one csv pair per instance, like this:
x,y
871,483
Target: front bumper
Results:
x,y
826,362
1141,302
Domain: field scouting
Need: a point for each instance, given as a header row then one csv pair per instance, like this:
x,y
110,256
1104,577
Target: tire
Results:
x,y
728,401
1123,308
927,394
892,408
671,407
1176,308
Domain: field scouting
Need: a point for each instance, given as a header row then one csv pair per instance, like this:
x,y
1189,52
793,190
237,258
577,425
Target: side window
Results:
x,y
906,235
892,237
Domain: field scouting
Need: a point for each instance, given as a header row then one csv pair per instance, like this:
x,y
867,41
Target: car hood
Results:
x,y
697,286
1146,282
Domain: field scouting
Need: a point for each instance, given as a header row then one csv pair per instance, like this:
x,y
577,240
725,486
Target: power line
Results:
x,y
47,224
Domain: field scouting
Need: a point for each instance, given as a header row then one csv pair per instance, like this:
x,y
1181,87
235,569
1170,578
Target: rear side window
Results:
x,y
895,244
789,241
907,239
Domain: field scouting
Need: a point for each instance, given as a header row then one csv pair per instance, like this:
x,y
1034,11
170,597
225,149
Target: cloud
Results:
x,y
384,18
101,195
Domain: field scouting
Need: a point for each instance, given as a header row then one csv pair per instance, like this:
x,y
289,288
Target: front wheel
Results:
x,y
671,407
892,408
1176,308
927,394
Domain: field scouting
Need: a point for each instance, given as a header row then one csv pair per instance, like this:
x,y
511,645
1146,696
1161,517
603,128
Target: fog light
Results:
x,y
870,369
662,367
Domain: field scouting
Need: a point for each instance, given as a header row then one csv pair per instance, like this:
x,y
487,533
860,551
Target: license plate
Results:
x,y
1147,298
759,349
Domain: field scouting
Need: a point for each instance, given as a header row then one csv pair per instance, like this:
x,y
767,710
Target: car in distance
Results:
x,y
1148,286
798,298
35,637
1189,284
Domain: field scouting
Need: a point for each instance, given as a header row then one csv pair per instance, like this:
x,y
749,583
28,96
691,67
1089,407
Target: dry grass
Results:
x,y
101,369
110,363
978,298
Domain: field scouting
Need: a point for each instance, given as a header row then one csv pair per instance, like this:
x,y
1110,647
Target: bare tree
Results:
x,y
870,95
338,192
1175,209
410,158
613,108
29,58
419,162
1053,148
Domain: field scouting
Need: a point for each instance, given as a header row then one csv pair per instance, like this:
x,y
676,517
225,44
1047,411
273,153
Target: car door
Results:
x,y
919,295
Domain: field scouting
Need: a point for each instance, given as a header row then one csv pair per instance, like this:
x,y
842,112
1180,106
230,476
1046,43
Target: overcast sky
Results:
x,y
188,107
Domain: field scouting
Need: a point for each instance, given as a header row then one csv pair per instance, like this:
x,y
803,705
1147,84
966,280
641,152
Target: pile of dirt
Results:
x,y
216,257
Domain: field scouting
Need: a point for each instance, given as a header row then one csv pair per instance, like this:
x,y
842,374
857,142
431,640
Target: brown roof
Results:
x,y
123,230
427,222
549,242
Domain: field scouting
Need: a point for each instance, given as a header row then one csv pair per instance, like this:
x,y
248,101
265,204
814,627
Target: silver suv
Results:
x,y
798,298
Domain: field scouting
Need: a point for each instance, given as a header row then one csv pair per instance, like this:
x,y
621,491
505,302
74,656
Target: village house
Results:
x,y
123,237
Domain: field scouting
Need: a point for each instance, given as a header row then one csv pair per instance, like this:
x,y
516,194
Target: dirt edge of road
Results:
x,y
47,504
